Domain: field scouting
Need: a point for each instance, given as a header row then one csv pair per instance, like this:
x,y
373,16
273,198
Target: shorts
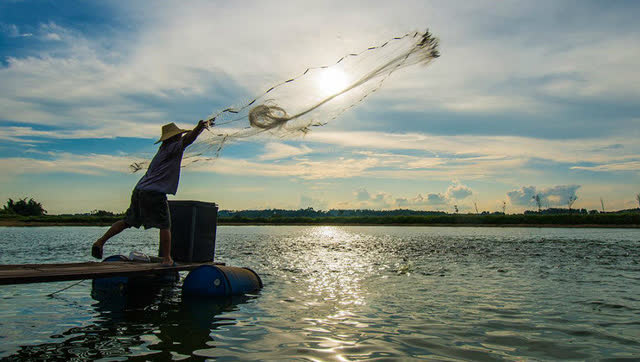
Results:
x,y
149,209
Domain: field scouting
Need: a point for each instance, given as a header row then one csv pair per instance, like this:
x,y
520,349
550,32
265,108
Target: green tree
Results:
x,y
24,207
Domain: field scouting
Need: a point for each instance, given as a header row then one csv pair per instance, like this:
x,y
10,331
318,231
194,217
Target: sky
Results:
x,y
527,98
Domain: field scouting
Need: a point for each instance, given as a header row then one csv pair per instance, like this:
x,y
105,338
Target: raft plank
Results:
x,y
39,273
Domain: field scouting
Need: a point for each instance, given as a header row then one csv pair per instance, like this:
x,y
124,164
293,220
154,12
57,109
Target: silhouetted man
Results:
x,y
149,206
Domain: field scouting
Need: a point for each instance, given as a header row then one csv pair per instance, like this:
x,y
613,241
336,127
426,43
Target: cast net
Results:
x,y
314,97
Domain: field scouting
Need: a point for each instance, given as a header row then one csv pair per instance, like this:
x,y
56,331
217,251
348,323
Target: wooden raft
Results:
x,y
38,273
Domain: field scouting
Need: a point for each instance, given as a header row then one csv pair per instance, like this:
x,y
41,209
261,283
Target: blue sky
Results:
x,y
527,97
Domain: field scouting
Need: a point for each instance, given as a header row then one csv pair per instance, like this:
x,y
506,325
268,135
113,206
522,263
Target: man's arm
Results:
x,y
191,136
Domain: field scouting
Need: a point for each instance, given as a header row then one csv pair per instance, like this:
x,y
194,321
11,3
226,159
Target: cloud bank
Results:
x,y
551,196
455,193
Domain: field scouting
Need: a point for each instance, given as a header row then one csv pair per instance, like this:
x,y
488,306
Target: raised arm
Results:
x,y
191,136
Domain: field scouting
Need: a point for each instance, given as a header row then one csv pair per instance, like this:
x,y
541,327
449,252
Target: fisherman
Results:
x,y
149,206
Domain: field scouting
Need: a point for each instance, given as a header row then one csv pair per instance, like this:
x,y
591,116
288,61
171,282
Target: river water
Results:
x,y
345,293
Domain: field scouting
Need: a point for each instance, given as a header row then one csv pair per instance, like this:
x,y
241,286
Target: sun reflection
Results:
x,y
326,272
335,268
327,233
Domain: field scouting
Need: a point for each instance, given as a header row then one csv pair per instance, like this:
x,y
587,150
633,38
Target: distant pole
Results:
x,y
602,204
475,203
538,201
638,198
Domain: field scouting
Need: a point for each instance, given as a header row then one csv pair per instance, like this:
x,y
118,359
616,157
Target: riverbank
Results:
x,y
613,220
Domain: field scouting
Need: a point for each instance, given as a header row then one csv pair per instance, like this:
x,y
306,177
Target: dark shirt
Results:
x,y
163,173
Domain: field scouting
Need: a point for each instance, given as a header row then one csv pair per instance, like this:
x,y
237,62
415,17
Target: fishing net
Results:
x,y
314,97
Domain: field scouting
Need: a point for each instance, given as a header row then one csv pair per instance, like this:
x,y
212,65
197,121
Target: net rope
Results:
x,y
294,106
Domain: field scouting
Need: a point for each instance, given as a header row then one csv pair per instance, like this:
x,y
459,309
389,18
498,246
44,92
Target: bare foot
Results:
x,y
167,261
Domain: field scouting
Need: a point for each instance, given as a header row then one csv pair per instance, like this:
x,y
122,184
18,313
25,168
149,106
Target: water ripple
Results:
x,y
348,293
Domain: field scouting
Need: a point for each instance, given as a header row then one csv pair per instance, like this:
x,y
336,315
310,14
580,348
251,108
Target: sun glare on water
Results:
x,y
332,81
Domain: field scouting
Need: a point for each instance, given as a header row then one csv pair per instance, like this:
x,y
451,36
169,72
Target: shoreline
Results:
x,y
17,223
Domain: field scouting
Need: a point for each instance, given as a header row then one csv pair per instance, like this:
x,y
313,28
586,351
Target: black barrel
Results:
x,y
193,230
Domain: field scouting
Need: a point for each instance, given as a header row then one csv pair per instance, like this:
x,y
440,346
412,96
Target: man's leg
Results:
x,y
165,246
115,229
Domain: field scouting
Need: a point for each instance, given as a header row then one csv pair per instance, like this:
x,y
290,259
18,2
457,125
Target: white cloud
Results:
x,y
552,196
122,129
523,196
275,151
491,103
82,85
381,200
363,195
173,46
330,169
419,201
53,36
620,166
13,31
481,149
436,199
454,193
433,199
91,164
458,191
308,201
92,84
304,169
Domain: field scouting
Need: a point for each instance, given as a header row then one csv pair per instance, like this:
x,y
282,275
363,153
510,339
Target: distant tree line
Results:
x,y
552,216
561,211
23,207
31,211
312,213
631,218
557,211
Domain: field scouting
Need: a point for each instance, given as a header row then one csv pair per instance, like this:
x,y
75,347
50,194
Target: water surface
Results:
x,y
345,293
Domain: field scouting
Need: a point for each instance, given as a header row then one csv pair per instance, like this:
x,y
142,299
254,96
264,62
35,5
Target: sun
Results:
x,y
332,81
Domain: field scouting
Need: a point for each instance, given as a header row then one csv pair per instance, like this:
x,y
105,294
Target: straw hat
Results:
x,y
170,130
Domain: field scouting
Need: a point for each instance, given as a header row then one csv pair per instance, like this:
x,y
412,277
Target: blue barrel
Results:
x,y
220,281
102,288
112,284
